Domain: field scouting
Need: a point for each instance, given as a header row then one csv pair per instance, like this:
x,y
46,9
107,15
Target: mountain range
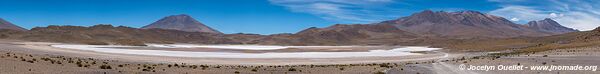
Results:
x,y
423,28
549,25
473,24
181,22
7,25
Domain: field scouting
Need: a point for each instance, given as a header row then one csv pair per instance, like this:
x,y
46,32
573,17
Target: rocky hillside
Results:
x,y
531,44
7,25
340,34
181,22
462,25
424,28
549,25
107,34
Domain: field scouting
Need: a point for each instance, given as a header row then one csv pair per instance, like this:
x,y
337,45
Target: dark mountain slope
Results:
x,y
356,34
107,34
549,25
181,22
7,25
462,25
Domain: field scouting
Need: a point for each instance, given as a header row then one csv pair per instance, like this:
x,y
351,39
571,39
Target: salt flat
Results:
x,y
402,51
242,47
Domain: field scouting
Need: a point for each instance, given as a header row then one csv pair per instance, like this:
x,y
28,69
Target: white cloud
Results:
x,y
579,20
515,19
556,15
553,15
521,12
578,14
348,11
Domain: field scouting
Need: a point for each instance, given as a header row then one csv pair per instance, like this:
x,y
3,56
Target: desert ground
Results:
x,y
22,57
583,56
41,57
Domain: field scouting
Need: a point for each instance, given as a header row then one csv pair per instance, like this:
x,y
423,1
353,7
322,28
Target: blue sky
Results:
x,y
283,16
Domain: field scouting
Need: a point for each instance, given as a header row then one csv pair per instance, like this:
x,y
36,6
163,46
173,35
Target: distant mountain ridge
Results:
x,y
121,35
424,28
182,22
427,27
7,25
342,34
464,25
549,25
